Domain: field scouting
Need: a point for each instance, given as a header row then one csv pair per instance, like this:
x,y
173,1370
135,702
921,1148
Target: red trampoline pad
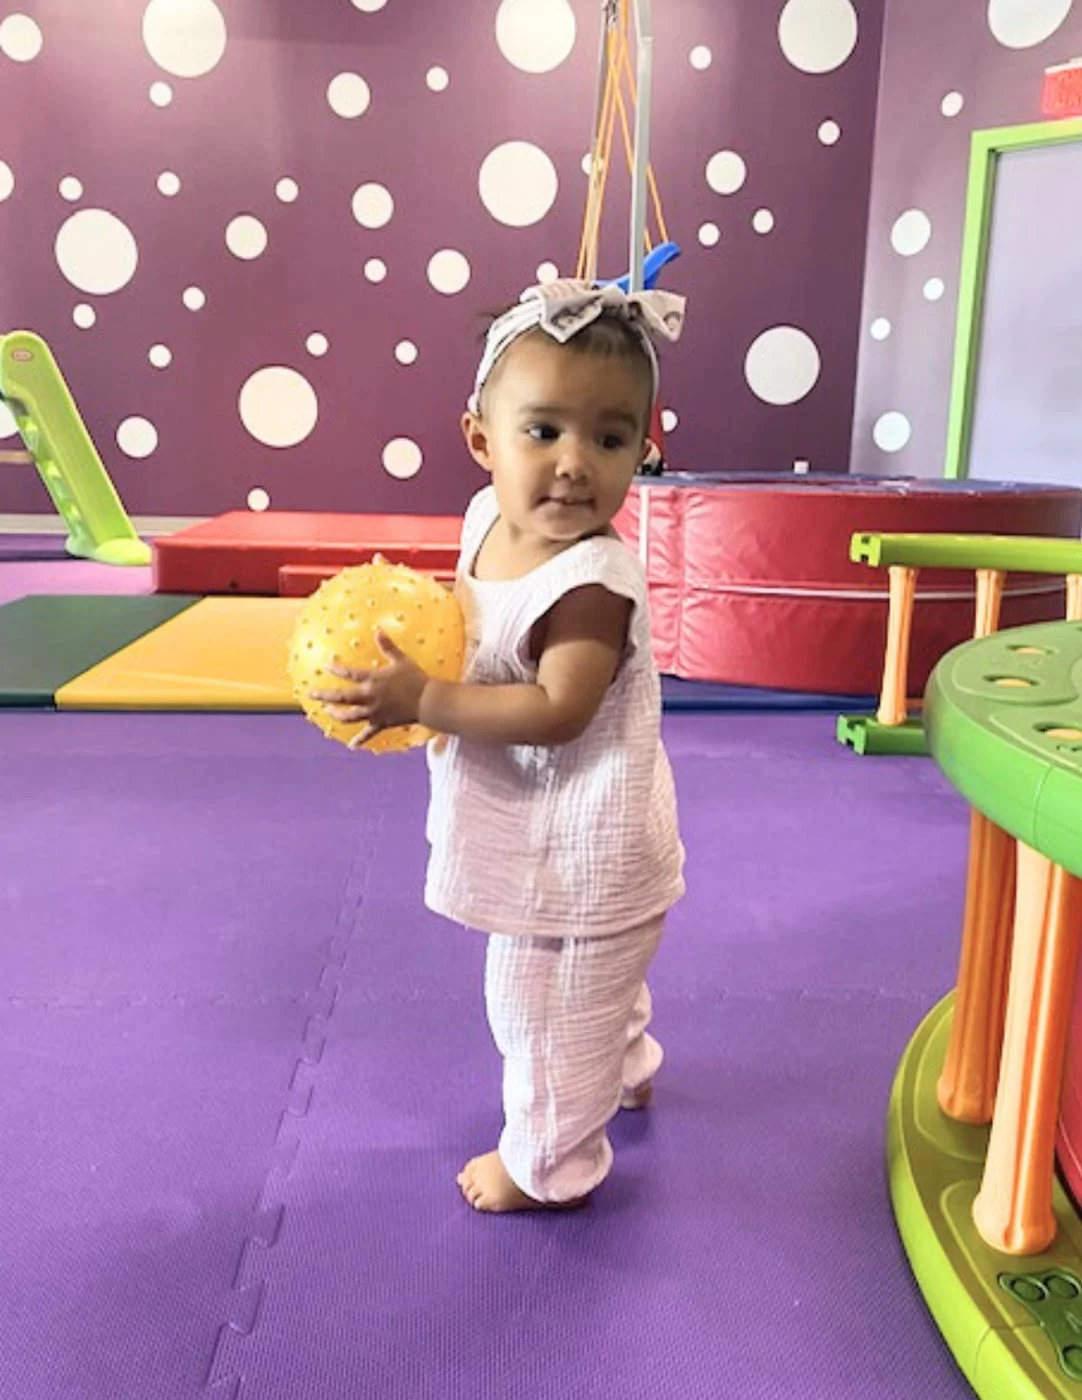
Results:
x,y
243,551
751,581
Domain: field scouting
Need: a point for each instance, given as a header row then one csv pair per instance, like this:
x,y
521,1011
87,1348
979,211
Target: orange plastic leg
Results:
x,y
903,586
967,1086
1013,1209
989,598
1074,597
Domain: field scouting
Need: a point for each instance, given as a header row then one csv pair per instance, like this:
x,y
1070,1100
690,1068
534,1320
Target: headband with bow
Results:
x,y
564,307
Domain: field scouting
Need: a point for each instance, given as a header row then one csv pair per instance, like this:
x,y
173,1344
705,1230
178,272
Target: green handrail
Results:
x,y
1023,554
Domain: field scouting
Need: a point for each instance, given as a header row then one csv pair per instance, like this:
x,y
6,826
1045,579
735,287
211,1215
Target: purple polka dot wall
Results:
x,y
946,71
261,250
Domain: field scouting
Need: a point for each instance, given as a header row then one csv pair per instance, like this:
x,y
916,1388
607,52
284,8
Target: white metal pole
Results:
x,y
644,45
608,18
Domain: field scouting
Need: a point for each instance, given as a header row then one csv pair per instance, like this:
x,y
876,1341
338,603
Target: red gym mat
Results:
x,y
302,580
243,551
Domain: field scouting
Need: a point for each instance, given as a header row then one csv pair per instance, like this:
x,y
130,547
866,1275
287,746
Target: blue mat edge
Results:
x,y
684,696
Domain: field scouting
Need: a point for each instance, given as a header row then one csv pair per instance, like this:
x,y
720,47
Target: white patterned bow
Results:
x,y
564,307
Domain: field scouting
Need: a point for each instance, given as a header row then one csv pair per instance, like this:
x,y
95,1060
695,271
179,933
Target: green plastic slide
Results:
x,y
64,454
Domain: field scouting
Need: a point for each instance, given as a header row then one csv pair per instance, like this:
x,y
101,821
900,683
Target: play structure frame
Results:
x,y
993,1239
892,730
985,150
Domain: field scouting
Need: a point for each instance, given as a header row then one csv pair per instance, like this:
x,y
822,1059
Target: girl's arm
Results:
x,y
580,643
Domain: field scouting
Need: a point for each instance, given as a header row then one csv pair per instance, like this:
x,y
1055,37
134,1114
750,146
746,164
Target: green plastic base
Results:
x,y
865,734
126,552
1010,1322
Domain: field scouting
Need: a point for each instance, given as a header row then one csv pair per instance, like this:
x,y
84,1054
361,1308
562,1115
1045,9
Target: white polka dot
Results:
x,y
587,162
194,298
96,252
373,206
782,365
160,356
137,437
375,269
880,328
829,133
911,233
817,36
287,190
20,38
278,406
349,95
726,172
405,352
934,288
84,316
258,499
71,189
245,237
547,272
161,94
1021,24
952,104
517,183
437,79
535,35
402,458
891,432
317,344
669,420
701,58
185,37
709,235
448,271
369,7
8,425
7,180
168,184
762,221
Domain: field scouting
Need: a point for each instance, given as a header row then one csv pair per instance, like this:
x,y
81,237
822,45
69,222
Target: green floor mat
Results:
x,y
46,641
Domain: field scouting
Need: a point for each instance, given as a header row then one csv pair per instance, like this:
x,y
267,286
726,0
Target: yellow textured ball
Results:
x,y
338,626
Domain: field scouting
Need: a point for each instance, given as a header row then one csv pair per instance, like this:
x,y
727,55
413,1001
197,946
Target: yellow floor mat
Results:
x,y
220,654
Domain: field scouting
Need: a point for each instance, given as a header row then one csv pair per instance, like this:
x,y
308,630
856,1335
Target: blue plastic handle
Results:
x,y
656,259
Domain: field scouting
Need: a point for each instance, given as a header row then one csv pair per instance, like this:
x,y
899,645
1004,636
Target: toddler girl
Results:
x,y
552,820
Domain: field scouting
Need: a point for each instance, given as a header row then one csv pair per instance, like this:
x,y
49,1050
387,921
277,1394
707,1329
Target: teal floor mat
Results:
x,y
46,641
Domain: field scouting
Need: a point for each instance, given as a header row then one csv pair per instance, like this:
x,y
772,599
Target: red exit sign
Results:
x,y
1062,92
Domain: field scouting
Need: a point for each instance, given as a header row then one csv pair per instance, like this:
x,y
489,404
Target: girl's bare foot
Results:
x,y
486,1186
637,1098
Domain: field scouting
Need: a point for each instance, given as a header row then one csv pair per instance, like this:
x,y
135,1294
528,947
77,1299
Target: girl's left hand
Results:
x,y
384,699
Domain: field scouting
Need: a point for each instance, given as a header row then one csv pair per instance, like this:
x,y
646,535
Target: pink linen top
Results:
x,y
574,840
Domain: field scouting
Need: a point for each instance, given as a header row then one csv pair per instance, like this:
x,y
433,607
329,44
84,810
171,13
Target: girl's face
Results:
x,y
562,433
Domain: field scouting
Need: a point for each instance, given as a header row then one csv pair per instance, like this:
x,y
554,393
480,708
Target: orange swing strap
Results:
x,y
612,104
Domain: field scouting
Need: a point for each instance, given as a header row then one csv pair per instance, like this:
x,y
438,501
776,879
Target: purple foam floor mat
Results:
x,y
32,549
27,566
242,1066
